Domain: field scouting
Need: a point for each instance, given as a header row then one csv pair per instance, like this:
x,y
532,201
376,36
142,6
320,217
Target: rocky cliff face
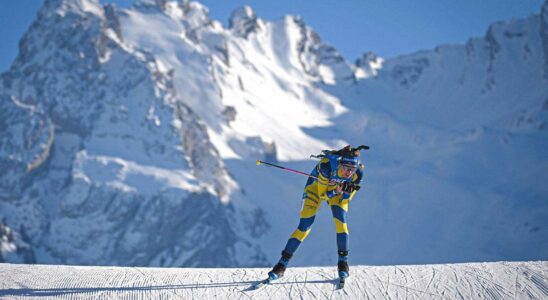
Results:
x,y
13,247
105,164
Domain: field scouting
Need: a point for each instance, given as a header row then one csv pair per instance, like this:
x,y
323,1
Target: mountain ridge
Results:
x,y
130,137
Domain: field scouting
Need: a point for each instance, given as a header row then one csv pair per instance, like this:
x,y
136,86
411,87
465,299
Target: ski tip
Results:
x,y
258,285
258,162
341,282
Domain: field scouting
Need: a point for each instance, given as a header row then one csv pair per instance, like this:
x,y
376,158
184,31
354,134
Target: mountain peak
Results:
x,y
367,65
80,6
196,14
193,13
151,3
243,21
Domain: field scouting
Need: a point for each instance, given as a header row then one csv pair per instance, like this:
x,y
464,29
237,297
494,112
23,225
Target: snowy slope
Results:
x,y
502,280
129,136
245,87
460,159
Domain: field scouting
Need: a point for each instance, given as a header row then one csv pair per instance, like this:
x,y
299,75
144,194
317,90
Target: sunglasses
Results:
x,y
347,168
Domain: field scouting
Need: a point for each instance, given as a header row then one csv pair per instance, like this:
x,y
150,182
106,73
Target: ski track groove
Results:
x,y
423,282
200,292
385,287
459,281
531,288
328,294
95,294
181,283
323,274
204,293
492,288
456,284
365,293
67,284
413,283
291,287
152,278
404,275
304,284
516,286
362,286
421,291
431,279
240,274
539,282
381,288
388,286
333,290
72,284
401,286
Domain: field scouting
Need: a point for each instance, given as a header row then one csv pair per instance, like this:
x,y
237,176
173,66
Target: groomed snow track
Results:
x,y
501,280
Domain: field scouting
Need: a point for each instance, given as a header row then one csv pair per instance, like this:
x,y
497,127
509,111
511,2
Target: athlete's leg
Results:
x,y
308,214
340,210
311,204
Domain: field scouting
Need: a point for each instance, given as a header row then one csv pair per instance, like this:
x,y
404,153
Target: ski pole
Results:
x,y
260,162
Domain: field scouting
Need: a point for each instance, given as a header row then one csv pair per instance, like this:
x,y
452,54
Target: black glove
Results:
x,y
349,187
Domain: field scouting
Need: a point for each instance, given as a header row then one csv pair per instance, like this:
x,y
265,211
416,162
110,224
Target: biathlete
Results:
x,y
336,179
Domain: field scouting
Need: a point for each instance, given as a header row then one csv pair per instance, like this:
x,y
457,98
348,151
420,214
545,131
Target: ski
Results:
x,y
259,284
341,284
271,277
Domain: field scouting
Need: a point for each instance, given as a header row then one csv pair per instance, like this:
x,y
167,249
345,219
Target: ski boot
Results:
x,y
342,265
279,269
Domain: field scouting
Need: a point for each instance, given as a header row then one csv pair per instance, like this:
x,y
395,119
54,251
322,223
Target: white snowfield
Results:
x,y
500,280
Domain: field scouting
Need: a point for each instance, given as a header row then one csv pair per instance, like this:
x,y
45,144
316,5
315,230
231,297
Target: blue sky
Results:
x,y
386,27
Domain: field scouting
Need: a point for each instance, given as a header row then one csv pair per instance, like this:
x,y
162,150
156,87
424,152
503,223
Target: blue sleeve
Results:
x,y
359,174
325,169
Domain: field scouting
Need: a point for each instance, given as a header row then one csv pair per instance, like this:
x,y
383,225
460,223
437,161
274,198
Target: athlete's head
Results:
x,y
348,166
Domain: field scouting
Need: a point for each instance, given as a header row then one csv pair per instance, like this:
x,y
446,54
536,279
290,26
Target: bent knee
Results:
x,y
306,223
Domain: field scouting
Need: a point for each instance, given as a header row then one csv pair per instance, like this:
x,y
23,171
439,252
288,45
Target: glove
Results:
x,y
349,187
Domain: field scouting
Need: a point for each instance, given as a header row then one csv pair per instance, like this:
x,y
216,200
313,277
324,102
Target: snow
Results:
x,y
501,280
290,104
92,7
132,177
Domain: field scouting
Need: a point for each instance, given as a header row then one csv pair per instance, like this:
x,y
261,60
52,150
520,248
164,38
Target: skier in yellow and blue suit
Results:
x,y
334,179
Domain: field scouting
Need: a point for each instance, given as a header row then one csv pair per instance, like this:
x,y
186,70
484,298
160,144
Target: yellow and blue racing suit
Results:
x,y
324,189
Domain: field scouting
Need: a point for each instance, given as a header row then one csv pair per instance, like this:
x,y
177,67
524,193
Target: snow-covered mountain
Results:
x,y
129,136
501,280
